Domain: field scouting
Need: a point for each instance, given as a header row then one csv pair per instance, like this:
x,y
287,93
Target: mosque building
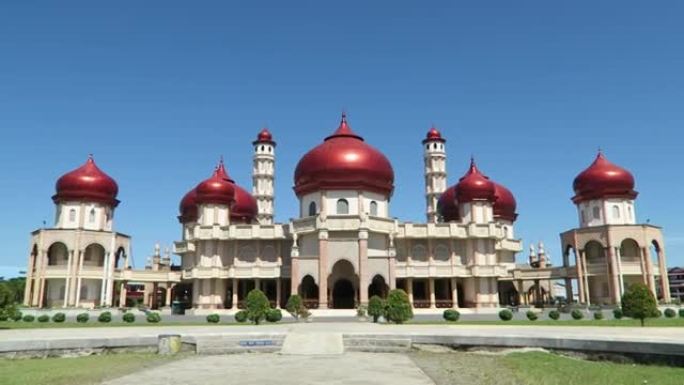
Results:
x,y
344,246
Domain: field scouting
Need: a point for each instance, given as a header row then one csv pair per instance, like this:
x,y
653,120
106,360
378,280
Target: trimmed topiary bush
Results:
x,y
59,317
213,318
28,318
17,316
105,317
153,318
598,315
617,313
554,315
506,315
257,306
44,318
532,316
398,309
670,313
577,314
241,316
274,315
451,315
294,306
83,318
638,302
128,318
376,307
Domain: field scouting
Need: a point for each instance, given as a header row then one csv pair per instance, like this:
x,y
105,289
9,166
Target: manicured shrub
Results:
x,y
398,309
128,318
577,314
16,316
598,315
617,313
213,318
257,306
361,311
59,317
28,318
44,318
554,315
83,318
294,306
506,315
153,318
274,315
532,316
105,317
681,313
241,316
658,313
638,302
451,315
376,307
670,313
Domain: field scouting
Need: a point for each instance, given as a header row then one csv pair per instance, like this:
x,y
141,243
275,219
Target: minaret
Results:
x,y
435,171
263,175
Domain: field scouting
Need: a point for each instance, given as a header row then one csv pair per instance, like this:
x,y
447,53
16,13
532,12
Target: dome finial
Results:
x,y
344,116
91,158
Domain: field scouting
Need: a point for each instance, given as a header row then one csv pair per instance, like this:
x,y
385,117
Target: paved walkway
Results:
x,y
247,369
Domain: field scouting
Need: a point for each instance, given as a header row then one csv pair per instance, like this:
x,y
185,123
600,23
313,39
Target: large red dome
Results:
x,y
188,207
87,183
344,162
474,186
217,189
505,204
603,179
433,135
447,207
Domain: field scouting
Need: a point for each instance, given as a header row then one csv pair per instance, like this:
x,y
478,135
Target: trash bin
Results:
x,y
177,307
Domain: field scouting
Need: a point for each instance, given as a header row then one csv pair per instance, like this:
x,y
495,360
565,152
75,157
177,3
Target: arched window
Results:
x,y
596,212
374,208
616,212
72,215
312,209
91,216
262,148
342,206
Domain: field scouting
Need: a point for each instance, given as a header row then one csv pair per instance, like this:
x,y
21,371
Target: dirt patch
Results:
x,y
461,368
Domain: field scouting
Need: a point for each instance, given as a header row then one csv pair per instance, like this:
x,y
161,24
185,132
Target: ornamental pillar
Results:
x,y
363,267
322,269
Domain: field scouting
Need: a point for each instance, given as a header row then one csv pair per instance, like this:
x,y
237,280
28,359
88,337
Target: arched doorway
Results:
x,y
343,294
345,285
378,287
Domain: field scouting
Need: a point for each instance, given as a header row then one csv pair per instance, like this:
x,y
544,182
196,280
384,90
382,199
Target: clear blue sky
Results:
x,y
158,90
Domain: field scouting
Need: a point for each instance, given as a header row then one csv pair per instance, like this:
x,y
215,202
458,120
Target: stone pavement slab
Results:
x,y
314,343
253,369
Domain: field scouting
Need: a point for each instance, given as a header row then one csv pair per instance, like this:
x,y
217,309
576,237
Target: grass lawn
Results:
x,y
95,324
77,370
658,322
537,368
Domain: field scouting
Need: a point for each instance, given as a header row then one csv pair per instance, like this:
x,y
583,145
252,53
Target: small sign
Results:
x,y
256,343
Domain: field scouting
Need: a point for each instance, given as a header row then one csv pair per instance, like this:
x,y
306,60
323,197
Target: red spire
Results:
x,y
221,171
344,130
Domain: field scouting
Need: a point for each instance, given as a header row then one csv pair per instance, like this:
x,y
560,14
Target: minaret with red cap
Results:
x,y
263,176
434,155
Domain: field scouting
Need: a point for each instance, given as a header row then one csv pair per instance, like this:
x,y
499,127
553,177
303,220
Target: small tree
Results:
x,y
294,306
376,307
638,303
398,309
257,306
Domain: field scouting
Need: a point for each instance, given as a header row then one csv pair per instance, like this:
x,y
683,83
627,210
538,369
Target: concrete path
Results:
x,y
314,343
248,369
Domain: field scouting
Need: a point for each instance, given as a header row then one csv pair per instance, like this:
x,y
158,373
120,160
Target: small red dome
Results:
x,y
447,207
474,186
505,204
245,208
344,162
433,135
264,136
87,183
603,179
217,189
188,207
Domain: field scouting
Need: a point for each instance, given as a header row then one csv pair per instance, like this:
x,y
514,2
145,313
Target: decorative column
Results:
x,y
363,267
664,279
278,291
454,293
649,270
568,290
431,285
642,263
615,281
587,294
122,295
234,294
409,289
322,269
169,288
